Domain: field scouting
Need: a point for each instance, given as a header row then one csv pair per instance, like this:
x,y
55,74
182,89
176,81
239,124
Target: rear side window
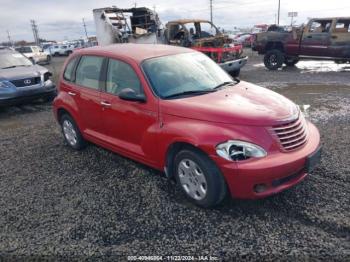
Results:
x,y
120,76
88,71
68,72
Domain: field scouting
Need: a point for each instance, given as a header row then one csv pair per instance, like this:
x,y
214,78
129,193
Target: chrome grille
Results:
x,y
291,135
26,82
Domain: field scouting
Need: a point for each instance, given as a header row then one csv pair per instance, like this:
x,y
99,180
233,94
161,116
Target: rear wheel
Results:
x,y
273,59
68,53
199,178
72,133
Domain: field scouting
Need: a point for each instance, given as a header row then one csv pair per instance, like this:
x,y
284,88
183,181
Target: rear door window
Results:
x,y
89,71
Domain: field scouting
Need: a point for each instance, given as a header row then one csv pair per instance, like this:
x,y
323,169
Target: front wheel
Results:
x,y
273,59
199,178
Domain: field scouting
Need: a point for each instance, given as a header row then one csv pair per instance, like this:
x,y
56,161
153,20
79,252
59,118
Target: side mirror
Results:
x,y
130,95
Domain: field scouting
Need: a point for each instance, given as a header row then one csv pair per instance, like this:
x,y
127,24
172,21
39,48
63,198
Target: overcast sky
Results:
x,y
60,20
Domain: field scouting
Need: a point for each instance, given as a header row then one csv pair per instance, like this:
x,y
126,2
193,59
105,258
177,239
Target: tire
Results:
x,y
273,59
199,178
235,73
73,136
68,53
291,61
56,54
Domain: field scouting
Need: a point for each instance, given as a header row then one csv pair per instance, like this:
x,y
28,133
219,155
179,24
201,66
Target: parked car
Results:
x,y
64,50
34,53
46,47
321,38
176,110
245,39
21,81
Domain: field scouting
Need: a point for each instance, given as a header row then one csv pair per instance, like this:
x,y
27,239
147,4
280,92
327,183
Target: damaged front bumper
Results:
x,y
234,65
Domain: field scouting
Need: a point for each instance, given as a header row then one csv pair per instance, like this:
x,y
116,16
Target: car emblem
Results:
x,y
27,82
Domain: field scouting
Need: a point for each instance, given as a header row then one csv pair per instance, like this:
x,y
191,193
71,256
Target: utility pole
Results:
x,y
279,12
86,34
211,11
9,37
35,32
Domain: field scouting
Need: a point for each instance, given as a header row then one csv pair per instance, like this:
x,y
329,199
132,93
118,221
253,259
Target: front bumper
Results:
x,y
234,65
278,171
13,96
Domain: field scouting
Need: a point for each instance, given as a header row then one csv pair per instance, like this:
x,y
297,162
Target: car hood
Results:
x,y
22,72
242,104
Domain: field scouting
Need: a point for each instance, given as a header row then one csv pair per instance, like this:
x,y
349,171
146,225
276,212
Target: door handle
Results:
x,y
334,37
105,104
309,36
72,94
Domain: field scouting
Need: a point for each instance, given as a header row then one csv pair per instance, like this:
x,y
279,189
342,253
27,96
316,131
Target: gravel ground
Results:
x,y
59,204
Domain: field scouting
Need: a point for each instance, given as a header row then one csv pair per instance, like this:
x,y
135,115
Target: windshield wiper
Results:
x,y
193,92
225,84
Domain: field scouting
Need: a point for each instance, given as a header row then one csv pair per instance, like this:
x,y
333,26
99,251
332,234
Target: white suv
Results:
x,y
57,50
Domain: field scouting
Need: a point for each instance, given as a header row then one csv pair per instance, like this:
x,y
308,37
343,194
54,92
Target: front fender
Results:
x,y
206,135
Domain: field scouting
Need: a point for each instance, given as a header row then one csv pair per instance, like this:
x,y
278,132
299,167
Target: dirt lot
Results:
x,y
55,202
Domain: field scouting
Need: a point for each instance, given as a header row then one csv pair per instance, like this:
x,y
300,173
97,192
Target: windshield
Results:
x,y
184,73
8,60
208,30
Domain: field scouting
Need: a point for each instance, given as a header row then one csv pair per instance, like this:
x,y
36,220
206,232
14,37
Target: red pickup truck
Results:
x,y
320,39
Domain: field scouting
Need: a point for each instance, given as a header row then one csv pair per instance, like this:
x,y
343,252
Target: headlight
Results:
x,y
235,150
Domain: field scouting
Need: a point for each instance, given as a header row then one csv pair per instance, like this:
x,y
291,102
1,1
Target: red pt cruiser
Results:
x,y
176,110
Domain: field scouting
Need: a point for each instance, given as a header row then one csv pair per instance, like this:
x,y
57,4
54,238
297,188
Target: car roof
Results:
x,y
136,52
